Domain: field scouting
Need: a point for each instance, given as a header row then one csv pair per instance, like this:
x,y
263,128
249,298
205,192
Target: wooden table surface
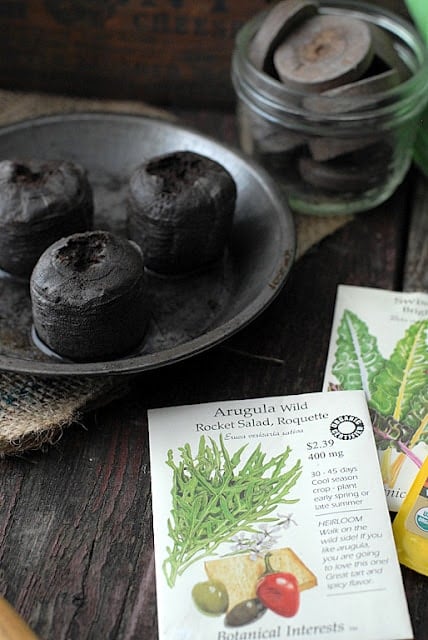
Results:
x,y
76,540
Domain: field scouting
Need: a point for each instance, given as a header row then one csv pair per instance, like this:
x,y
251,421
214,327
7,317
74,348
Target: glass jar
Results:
x,y
333,153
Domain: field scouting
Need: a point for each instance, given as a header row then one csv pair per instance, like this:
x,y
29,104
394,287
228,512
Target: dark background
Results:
x,y
165,52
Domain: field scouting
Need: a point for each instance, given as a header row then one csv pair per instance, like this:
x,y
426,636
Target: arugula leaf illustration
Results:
x,y
215,496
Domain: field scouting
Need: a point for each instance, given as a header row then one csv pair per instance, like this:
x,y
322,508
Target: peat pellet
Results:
x,y
40,201
282,166
356,173
331,177
180,211
271,137
324,52
280,140
384,49
354,95
362,94
322,148
279,21
88,296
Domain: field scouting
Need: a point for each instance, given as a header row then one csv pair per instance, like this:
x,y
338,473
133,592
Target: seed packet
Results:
x,y
410,526
270,521
379,343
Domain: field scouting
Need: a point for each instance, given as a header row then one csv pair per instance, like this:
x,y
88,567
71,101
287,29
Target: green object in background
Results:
x,y
418,9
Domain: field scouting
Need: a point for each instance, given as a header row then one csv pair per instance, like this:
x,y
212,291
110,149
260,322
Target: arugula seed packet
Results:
x,y
270,521
379,343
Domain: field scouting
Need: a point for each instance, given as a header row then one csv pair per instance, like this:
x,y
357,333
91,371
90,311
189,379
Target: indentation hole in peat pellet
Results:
x,y
23,173
82,253
176,169
325,44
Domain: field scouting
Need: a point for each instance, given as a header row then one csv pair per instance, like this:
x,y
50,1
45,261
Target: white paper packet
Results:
x,y
296,477
379,343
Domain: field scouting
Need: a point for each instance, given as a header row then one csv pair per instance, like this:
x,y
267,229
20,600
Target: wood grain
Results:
x,y
167,52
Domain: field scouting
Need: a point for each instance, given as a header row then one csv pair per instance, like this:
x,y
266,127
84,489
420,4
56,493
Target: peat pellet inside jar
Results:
x,y
360,94
323,52
88,296
180,211
384,48
351,173
259,135
323,148
40,201
279,21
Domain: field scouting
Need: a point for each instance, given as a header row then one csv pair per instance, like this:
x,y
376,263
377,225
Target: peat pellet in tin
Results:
x,y
40,201
324,52
88,295
180,211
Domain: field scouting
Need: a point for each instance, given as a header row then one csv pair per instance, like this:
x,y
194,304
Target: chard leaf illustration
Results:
x,y
391,433
396,389
417,418
417,421
404,375
357,358
402,394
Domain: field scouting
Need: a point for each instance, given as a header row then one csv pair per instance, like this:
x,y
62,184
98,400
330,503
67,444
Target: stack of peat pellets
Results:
x,y
327,65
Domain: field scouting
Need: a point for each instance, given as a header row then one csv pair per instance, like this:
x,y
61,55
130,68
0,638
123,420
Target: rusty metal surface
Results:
x,y
189,314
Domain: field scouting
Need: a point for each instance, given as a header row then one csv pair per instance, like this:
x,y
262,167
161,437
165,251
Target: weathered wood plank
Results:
x,y
169,52
416,263
78,526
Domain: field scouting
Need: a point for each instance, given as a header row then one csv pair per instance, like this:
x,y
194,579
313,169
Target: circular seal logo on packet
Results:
x,y
347,427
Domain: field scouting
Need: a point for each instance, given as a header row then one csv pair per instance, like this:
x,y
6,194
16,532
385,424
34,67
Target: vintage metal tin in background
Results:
x,y
333,153
166,52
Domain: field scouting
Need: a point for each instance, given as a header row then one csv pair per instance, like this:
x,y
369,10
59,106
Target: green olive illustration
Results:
x,y
211,597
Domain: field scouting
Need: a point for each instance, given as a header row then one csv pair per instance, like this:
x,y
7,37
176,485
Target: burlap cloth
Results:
x,y
35,410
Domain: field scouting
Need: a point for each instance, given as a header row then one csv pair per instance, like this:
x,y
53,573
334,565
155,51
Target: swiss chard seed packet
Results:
x,y
379,343
270,521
